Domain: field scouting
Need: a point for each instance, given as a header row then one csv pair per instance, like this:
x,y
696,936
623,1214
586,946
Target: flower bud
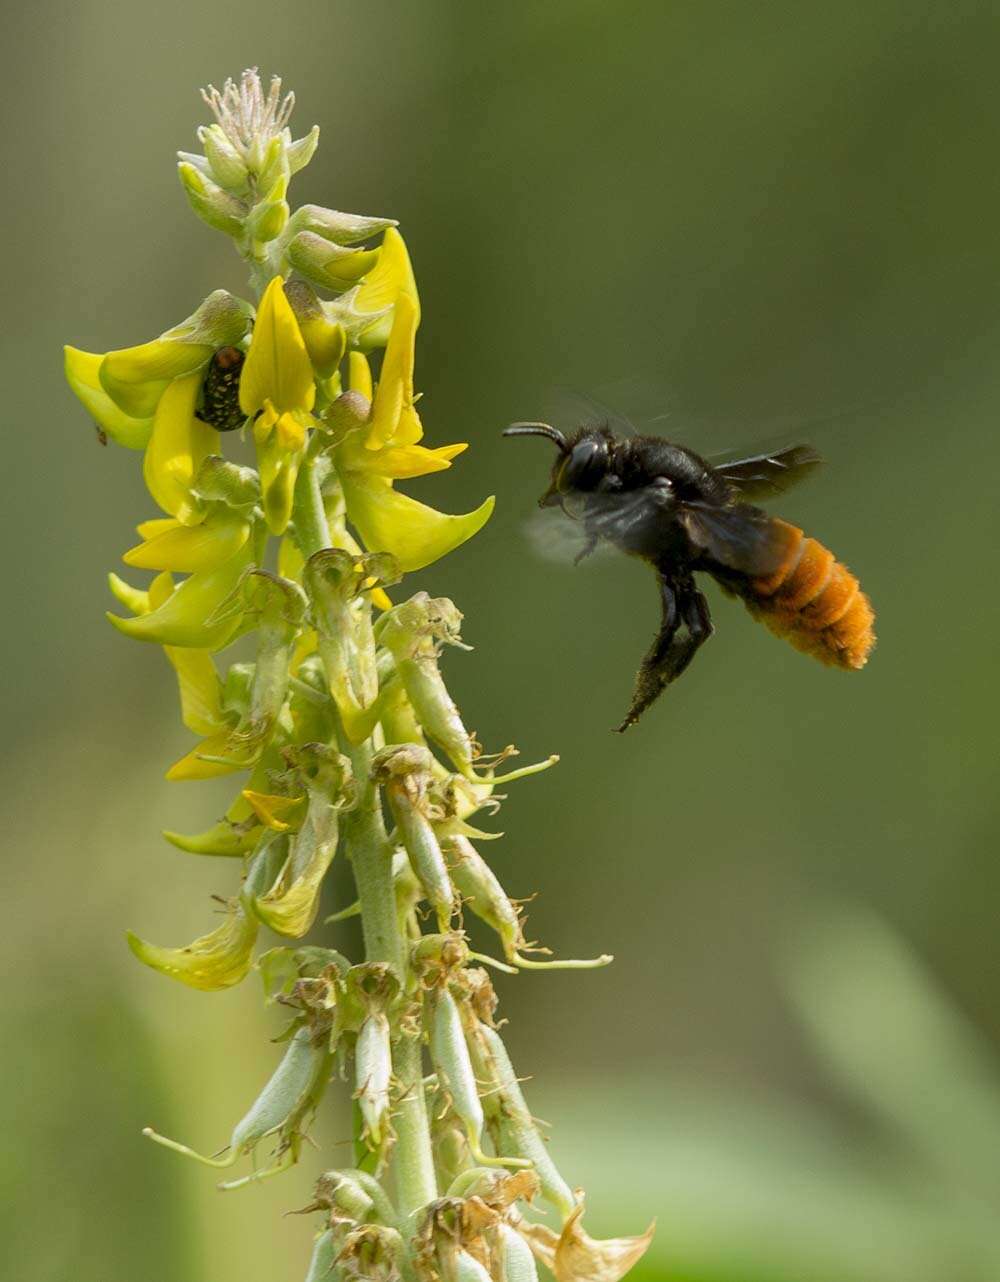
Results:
x,y
210,202
269,216
325,339
220,481
332,225
227,164
330,266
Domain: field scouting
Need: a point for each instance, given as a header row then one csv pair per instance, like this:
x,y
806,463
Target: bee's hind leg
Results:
x,y
670,654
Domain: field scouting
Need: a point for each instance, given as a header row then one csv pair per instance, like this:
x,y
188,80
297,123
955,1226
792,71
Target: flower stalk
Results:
x,y
342,725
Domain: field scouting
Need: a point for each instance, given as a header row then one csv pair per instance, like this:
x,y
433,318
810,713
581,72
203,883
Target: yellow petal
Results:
x,y
83,375
290,559
160,589
413,533
359,374
136,377
134,599
277,367
273,810
156,525
194,766
395,384
179,445
214,961
291,432
200,689
198,613
391,278
400,462
186,549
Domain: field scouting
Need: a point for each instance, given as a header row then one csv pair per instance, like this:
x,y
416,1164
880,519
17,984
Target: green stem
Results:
x,y
371,856
312,531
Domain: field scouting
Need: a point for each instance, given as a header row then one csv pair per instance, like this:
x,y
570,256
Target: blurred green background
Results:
x,y
775,221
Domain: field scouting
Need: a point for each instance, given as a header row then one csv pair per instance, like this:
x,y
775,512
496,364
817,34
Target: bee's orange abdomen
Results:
x,y
816,604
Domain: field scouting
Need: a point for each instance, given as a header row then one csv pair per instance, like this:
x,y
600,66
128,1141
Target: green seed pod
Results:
x,y
481,891
509,1115
468,1269
356,1193
404,773
450,1056
323,1264
291,1092
517,1264
373,1071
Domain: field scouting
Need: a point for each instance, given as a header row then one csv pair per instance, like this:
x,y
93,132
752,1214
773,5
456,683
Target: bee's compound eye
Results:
x,y
585,466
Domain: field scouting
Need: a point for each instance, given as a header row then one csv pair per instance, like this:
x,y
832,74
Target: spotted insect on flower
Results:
x,y
661,502
220,393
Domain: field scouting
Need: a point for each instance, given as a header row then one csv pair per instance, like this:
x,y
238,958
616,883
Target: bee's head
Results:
x,y
580,465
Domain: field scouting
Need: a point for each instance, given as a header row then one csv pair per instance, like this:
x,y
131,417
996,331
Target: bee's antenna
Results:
x,y
538,429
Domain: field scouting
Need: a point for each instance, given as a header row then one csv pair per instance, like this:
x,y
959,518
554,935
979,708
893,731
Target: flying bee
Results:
x,y
665,504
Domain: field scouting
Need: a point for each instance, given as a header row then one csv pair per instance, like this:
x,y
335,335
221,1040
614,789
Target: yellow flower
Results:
x,y
278,387
370,459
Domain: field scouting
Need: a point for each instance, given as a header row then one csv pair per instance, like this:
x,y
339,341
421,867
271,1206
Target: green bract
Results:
x,y
336,717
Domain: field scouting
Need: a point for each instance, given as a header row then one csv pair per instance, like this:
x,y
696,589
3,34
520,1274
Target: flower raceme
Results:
x,y
337,717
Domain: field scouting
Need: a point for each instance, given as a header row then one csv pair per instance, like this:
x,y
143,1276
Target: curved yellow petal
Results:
x,y
277,367
156,525
198,613
194,766
214,961
391,522
406,461
134,599
187,549
83,375
200,689
178,446
395,383
274,810
136,377
391,278
359,374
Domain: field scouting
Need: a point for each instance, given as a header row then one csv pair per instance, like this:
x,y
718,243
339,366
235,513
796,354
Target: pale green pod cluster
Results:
x,y
372,1075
